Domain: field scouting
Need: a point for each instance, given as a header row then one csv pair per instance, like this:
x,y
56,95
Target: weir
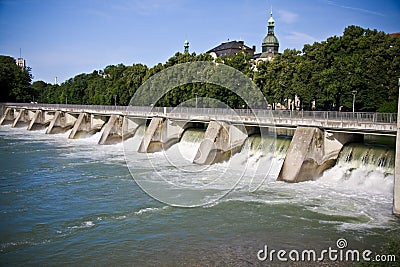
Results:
x,y
21,119
61,123
221,141
112,130
87,124
162,133
119,128
317,141
312,151
8,116
39,120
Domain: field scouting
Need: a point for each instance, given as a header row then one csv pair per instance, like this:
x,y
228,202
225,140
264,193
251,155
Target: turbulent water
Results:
x,y
73,202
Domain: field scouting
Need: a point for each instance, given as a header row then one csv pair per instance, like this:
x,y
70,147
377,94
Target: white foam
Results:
x,y
87,224
145,210
361,180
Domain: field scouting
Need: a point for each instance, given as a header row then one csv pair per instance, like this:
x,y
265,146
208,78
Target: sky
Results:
x,y
65,38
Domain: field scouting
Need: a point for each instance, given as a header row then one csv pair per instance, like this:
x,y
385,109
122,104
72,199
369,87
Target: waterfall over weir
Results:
x,y
371,157
353,155
361,169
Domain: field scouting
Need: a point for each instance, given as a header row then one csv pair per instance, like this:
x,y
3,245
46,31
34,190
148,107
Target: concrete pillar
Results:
x,y
119,128
82,124
87,124
22,118
53,122
8,117
37,120
110,128
61,123
34,119
162,134
221,141
151,141
312,151
396,193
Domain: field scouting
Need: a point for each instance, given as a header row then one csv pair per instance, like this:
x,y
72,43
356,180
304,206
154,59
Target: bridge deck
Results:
x,y
360,122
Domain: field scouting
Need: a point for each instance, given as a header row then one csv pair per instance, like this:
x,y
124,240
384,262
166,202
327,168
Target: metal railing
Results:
x,y
370,117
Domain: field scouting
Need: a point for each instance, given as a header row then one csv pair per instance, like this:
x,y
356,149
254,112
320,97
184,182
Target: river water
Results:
x,y
73,202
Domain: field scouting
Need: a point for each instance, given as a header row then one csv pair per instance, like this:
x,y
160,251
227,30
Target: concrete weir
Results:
x,y
38,120
119,128
317,140
162,133
8,117
312,151
221,141
61,122
22,118
87,124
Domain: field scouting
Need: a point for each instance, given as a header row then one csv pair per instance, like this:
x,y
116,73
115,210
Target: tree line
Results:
x,y
325,75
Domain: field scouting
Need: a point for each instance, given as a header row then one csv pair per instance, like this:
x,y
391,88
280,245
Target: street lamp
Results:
x,y
354,92
115,100
196,99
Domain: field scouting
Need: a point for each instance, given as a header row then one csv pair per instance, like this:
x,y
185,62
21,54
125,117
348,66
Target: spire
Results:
x,y
271,20
270,44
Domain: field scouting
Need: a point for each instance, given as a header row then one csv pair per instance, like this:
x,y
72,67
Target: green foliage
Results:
x,y
388,107
14,81
326,73
362,60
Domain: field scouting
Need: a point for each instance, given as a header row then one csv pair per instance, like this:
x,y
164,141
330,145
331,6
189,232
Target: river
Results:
x,y
73,202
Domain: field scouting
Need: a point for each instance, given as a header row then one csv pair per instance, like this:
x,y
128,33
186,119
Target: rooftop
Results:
x,y
230,45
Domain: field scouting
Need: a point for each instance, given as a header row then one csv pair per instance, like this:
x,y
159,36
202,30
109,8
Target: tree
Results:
x,y
328,73
14,81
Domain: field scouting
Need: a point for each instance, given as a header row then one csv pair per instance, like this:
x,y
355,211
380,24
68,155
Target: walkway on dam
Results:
x,y
357,122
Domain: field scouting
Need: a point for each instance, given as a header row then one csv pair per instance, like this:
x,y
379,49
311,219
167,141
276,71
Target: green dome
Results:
x,y
270,39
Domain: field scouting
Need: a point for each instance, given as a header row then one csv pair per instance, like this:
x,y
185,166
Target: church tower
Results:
x,y
270,44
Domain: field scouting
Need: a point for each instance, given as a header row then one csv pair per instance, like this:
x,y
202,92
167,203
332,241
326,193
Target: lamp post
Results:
x,y
354,92
196,99
115,100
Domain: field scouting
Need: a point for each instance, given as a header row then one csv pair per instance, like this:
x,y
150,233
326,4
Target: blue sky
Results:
x,y
65,38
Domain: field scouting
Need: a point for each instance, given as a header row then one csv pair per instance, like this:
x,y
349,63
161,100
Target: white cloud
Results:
x,y
356,9
287,16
